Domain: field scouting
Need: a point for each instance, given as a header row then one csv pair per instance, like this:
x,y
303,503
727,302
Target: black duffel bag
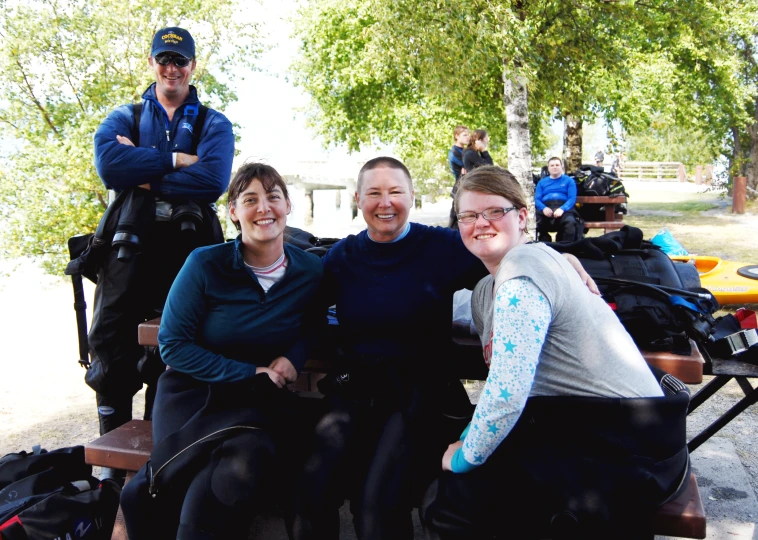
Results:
x,y
46,495
645,289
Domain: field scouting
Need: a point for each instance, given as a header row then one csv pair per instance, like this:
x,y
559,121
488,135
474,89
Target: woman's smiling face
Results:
x,y
385,199
490,240
262,214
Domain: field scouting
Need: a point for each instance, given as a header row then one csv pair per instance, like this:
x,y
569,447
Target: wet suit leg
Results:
x,y
384,508
225,495
544,227
322,486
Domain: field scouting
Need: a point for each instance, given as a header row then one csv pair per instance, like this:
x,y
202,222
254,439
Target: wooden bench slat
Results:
x,y
127,447
684,516
603,224
583,199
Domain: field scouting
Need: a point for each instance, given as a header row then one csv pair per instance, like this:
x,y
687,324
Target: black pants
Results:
x,y
217,493
220,498
375,456
117,411
127,294
568,227
571,468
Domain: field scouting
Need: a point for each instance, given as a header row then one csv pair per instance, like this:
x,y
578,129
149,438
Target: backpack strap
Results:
x,y
137,112
198,128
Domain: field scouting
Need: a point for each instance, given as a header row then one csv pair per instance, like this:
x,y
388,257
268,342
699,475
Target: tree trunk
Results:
x,y
572,142
751,164
515,98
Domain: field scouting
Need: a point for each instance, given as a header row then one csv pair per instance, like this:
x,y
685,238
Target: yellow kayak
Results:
x,y
729,281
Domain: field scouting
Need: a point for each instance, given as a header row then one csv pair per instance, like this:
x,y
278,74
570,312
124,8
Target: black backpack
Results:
x,y
595,185
646,290
49,495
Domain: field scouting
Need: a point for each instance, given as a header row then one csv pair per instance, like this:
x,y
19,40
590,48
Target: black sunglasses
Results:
x,y
179,61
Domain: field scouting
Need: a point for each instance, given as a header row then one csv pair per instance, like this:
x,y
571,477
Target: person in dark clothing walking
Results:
x,y
461,137
158,148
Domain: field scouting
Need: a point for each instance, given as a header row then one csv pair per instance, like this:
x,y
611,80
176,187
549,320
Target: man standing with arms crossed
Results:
x,y
174,155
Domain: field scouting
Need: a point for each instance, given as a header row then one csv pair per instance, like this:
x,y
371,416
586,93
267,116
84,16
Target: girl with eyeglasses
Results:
x,y
554,438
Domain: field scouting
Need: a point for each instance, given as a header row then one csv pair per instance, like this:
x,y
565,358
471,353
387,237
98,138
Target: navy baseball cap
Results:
x,y
173,39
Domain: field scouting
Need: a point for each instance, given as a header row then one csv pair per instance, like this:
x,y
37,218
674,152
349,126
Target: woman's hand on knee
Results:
x,y
277,379
284,367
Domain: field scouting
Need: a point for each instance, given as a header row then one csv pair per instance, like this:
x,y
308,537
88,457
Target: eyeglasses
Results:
x,y
490,214
179,61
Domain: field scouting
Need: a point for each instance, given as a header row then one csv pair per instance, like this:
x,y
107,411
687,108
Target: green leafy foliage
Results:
x,y
668,141
64,65
405,72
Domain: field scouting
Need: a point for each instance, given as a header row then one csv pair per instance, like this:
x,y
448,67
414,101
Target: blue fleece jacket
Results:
x,y
121,166
455,160
395,299
562,188
218,324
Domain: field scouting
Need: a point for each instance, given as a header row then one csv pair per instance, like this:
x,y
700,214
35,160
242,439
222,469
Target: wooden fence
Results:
x,y
664,171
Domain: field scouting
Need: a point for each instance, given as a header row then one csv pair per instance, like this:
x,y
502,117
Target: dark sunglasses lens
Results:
x,y
179,61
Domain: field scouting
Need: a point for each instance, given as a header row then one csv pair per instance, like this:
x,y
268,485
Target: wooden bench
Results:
x,y
128,447
612,219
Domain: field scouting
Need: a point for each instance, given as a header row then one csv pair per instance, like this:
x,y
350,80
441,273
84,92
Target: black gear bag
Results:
x,y
46,495
645,289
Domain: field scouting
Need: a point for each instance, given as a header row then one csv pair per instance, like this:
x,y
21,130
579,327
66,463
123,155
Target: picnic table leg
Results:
x,y
707,391
750,399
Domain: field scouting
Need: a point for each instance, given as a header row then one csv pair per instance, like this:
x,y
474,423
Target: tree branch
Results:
x,y
42,109
14,126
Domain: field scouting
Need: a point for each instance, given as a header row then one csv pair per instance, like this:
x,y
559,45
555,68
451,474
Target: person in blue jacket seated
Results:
x,y
237,327
571,427
554,199
393,402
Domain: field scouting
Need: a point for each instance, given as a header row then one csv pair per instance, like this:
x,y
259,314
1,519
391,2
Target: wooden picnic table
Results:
x,y
688,369
612,219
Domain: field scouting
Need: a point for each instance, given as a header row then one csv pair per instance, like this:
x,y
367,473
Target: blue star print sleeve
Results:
x,y
522,315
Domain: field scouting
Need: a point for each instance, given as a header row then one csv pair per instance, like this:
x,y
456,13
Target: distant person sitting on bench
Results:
x,y
554,198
